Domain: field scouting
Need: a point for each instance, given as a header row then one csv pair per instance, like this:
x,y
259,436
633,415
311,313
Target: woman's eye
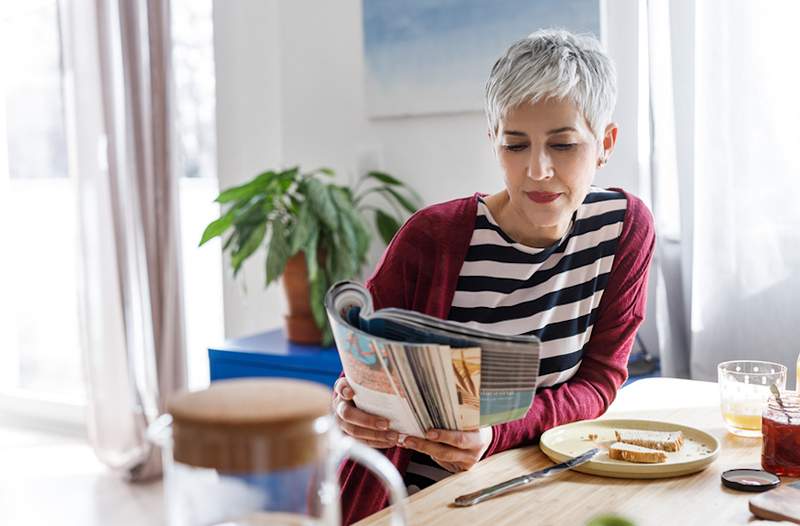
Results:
x,y
563,146
515,147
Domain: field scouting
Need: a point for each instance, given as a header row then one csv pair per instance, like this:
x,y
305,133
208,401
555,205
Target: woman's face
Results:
x,y
549,157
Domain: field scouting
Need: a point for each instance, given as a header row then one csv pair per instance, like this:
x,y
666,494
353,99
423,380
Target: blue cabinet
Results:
x,y
271,354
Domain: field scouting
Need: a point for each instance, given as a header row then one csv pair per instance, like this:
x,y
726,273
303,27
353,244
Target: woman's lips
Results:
x,y
543,197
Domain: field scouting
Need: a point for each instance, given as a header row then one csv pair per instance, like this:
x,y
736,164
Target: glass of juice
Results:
x,y
780,448
744,391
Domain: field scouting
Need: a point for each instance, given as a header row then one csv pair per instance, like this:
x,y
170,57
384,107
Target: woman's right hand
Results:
x,y
371,429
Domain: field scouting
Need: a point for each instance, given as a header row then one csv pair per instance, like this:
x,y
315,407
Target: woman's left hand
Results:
x,y
453,450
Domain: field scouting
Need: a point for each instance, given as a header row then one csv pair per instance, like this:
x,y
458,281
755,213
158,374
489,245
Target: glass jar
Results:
x,y
257,452
780,447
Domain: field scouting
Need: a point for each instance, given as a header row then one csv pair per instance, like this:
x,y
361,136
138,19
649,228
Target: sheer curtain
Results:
x,y
131,306
746,219
729,247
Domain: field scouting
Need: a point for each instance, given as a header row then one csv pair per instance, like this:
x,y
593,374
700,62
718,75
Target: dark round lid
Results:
x,y
749,479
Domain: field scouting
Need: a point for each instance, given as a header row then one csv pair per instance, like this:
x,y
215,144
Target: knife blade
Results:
x,y
498,489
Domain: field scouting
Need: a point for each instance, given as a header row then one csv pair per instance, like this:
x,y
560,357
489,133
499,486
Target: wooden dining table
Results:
x,y
573,498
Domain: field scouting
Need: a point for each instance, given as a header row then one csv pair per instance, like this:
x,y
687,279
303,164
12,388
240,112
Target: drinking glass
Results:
x,y
744,391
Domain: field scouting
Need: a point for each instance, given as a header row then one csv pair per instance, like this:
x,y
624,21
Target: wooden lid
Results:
x,y
251,425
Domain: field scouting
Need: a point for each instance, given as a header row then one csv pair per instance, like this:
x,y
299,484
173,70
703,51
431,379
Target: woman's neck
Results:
x,y
518,227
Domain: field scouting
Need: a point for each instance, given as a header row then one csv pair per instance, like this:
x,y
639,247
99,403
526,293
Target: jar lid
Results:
x,y
251,425
753,480
790,403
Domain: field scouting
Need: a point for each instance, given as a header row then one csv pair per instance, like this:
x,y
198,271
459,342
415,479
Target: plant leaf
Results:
x,y
246,190
251,212
405,203
352,224
277,253
384,178
247,246
287,177
304,223
322,203
326,171
217,227
316,298
229,241
387,225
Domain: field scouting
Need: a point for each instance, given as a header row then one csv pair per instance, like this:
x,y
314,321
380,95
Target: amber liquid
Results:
x,y
740,421
780,449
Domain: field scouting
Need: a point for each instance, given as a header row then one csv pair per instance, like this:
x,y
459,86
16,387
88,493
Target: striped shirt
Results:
x,y
553,292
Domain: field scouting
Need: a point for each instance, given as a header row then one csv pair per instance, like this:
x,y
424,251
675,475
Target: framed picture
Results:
x,y
434,56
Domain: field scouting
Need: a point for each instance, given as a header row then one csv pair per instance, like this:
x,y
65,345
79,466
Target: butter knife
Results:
x,y
498,489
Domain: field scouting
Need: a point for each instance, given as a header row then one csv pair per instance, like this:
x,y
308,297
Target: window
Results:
x,y
193,68
41,363
41,355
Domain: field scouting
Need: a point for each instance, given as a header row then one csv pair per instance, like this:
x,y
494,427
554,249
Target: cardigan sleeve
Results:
x,y
604,365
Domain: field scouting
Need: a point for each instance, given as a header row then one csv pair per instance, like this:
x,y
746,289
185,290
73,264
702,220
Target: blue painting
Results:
x,y
433,56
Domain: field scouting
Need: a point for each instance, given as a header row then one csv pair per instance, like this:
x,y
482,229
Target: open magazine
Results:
x,y
422,373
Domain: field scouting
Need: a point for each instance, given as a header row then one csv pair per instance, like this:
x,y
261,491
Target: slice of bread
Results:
x,y
663,440
631,453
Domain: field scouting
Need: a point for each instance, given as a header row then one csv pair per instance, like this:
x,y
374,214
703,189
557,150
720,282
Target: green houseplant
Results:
x,y
315,232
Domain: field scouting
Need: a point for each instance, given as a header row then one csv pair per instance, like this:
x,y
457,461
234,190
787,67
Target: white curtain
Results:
x,y
131,306
746,242
731,275
667,306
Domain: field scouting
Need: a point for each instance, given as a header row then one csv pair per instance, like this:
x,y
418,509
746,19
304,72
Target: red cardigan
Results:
x,y
419,271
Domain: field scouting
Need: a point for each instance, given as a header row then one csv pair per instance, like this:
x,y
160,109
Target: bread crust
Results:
x,y
664,440
638,454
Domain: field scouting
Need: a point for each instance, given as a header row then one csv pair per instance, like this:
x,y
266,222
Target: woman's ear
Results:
x,y
609,140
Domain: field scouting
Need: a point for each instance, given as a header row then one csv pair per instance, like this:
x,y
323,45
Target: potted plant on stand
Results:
x,y
314,231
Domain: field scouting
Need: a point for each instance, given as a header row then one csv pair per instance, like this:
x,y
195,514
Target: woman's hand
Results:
x,y
453,450
371,429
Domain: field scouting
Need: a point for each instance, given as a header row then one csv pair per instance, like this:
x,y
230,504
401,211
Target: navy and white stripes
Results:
x,y
553,292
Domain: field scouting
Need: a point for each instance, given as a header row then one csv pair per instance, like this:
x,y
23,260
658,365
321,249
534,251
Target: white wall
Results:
x,y
290,90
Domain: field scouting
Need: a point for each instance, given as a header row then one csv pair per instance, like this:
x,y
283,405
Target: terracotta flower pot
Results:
x,y
300,325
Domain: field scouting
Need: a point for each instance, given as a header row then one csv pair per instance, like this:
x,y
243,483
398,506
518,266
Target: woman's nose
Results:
x,y
539,166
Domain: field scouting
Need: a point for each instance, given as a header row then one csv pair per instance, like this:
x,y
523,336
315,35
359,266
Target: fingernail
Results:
x,y
409,442
401,439
347,392
433,435
391,435
383,424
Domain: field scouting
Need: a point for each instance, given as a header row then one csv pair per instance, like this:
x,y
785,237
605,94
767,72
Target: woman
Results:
x,y
548,255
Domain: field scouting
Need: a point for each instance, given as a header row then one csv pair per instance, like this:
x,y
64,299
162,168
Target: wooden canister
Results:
x,y
248,426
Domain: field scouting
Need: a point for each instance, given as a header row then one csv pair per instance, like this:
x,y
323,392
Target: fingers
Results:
x,y
365,427
353,415
459,439
441,452
342,389
385,438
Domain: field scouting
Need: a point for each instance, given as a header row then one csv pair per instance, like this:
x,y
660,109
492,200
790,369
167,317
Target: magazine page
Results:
x,y
374,380
509,364
466,367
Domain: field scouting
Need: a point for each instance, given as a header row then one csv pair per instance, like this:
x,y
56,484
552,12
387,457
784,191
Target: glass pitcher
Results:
x,y
259,452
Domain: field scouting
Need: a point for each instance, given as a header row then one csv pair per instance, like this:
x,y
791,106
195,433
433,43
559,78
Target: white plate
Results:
x,y
560,443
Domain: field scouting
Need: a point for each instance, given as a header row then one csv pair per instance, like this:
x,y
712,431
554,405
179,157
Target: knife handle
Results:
x,y
492,491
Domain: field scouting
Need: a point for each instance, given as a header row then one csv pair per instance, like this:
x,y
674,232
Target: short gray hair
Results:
x,y
554,63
